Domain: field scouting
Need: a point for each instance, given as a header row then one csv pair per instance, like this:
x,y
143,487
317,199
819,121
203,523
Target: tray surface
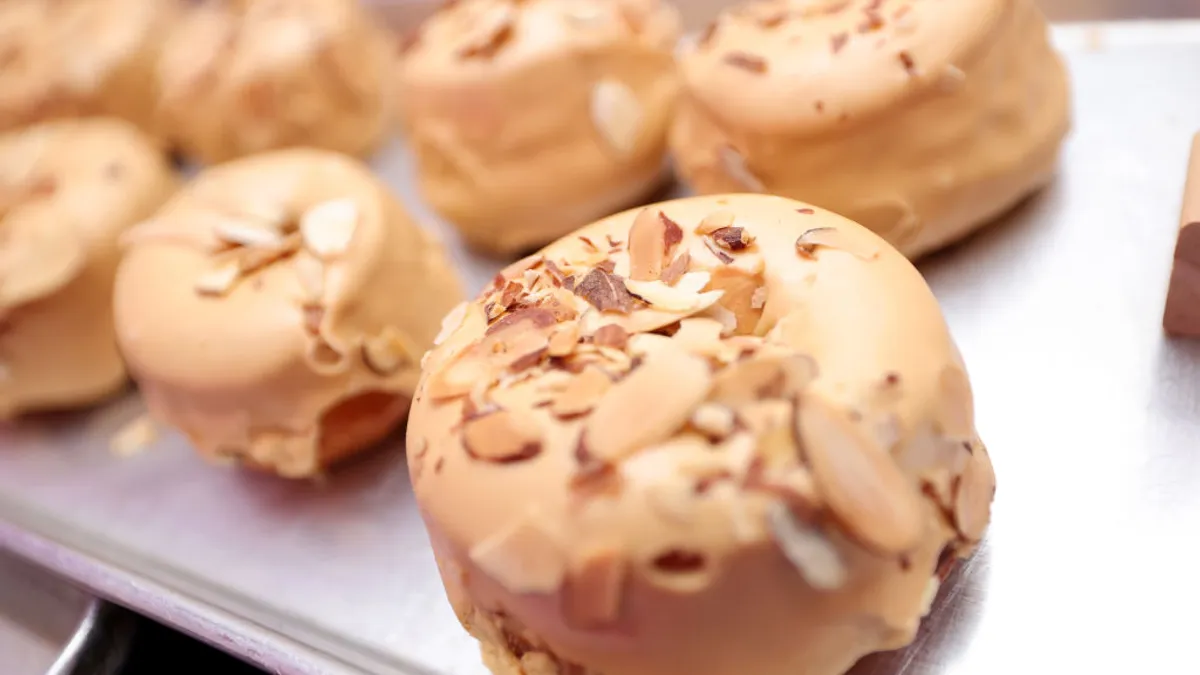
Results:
x,y
1092,419
39,617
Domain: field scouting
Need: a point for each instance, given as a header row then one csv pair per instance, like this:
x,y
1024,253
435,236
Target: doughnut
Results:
x,y
72,58
255,75
715,436
68,189
276,308
920,120
530,119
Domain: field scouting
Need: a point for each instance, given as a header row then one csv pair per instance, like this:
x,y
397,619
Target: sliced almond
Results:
x,y
328,227
714,421
459,377
134,437
387,352
564,340
617,115
524,557
311,275
763,377
734,165
582,393
832,238
502,436
739,286
813,555
649,405
862,484
976,489
219,281
715,221
699,336
592,597
758,299
242,234
677,269
684,297
451,322
652,237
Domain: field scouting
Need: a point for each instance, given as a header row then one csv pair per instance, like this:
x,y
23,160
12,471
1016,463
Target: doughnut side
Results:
x,y
675,442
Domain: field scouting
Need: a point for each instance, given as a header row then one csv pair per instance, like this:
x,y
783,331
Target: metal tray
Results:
x,y
1093,420
49,627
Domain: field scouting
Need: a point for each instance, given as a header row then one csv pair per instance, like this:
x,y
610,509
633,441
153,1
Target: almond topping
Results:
x,y
451,322
617,115
239,234
649,405
715,221
218,281
502,437
732,238
605,291
563,340
676,269
833,238
496,33
611,335
762,377
651,238
582,393
387,352
684,296
814,556
327,228
713,420
523,557
311,275
758,299
748,62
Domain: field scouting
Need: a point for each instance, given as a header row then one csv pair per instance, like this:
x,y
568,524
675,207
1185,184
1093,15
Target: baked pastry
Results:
x,y
72,58
253,75
68,189
921,120
276,308
531,119
742,442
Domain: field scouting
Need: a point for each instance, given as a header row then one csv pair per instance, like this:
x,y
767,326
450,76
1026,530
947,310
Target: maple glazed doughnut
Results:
x,y
246,76
275,310
714,436
920,119
531,119
68,189
72,58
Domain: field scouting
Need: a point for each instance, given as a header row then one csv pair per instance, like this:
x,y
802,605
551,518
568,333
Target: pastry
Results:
x,y
530,119
1182,314
68,189
73,58
921,120
255,75
276,308
741,441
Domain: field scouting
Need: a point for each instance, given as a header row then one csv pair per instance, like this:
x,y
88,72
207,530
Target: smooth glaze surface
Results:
x,y
1091,416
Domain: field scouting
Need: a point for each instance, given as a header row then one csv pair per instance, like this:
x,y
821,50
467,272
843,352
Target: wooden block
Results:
x,y
1182,315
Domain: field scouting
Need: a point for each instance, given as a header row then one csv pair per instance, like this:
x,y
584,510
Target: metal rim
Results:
x,y
100,644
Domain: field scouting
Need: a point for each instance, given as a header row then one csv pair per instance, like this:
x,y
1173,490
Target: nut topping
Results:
x,y
605,291
817,560
219,281
652,237
684,296
582,393
524,557
239,234
713,420
502,437
715,221
387,352
327,228
617,115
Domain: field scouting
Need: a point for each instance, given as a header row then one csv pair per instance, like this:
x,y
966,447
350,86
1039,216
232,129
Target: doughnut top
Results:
x,y
682,381
811,65
470,40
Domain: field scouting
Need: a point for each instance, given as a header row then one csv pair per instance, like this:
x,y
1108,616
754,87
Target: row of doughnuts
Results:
x,y
214,80
921,119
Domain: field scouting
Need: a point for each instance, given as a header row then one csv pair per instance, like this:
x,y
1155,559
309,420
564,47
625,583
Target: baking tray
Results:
x,y
50,627
1092,418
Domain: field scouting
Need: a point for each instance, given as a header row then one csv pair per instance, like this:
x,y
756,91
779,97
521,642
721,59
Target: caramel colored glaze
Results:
x,y
762,477
246,77
920,119
67,191
297,361
530,119
72,58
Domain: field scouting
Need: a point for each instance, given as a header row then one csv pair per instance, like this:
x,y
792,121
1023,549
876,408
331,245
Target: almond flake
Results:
x,y
328,227
523,557
862,484
134,437
605,291
311,275
734,165
502,437
451,322
611,335
699,336
747,62
712,247
973,501
833,238
218,281
582,393
684,296
617,115
563,340
239,234
715,221
497,32
651,239
676,269
714,421
651,403
592,597
758,299
813,555
387,352
763,377
732,238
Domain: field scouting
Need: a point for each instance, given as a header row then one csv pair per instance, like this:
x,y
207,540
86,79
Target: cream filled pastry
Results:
x,y
921,120
68,189
72,58
739,442
254,75
275,310
530,119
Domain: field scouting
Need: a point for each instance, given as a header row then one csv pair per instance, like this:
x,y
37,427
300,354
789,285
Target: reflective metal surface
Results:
x,y
1092,418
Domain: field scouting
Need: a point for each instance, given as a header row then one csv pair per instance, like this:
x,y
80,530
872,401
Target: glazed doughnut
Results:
x,y
74,58
739,441
276,308
68,189
512,165
921,120
254,75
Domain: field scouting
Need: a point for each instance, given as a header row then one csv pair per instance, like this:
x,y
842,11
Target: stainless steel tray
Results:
x,y
1093,420
49,627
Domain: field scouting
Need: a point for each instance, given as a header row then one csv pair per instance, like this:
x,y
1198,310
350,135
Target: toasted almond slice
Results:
x,y
594,588
862,484
329,227
134,437
758,299
649,405
734,165
700,336
834,239
814,556
458,378
714,421
582,393
564,339
503,436
311,274
763,377
524,557
617,114
976,488
650,242
715,221
387,352
240,233
683,297
219,281
451,322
